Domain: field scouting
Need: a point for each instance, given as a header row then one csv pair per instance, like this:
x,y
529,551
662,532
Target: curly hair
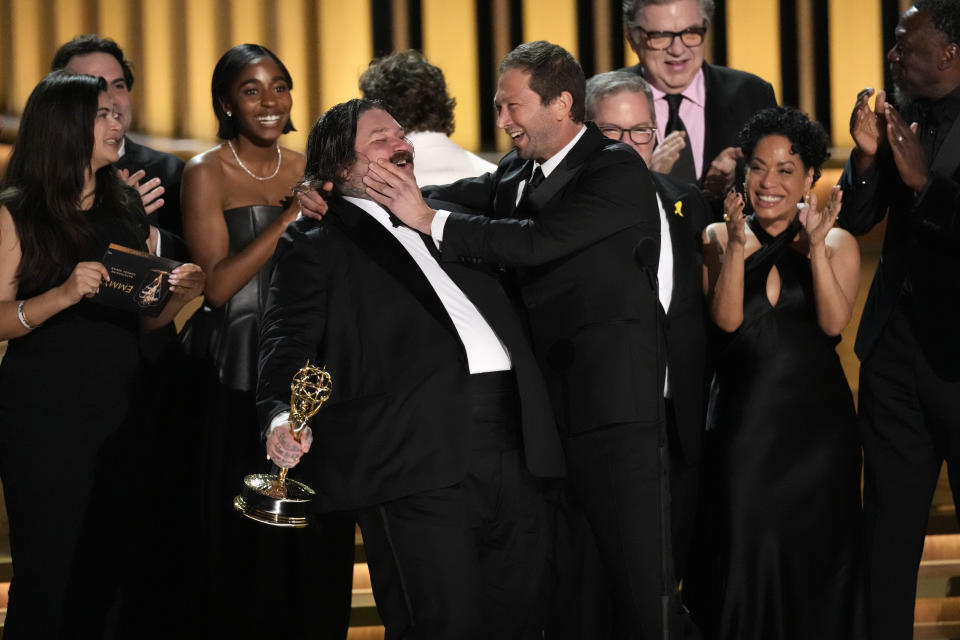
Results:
x,y
945,17
412,90
807,137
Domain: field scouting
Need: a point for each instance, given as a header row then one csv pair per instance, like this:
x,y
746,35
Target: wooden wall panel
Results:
x,y
753,39
159,85
203,50
293,48
346,45
29,21
552,20
326,44
450,42
856,59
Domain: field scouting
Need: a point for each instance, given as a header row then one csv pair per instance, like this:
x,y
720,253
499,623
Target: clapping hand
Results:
x,y
719,177
734,218
908,153
150,191
667,152
869,127
818,222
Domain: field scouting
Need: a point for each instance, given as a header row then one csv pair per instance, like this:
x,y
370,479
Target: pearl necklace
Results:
x,y
251,173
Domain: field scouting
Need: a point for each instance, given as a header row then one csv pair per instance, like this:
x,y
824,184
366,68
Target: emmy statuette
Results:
x,y
276,499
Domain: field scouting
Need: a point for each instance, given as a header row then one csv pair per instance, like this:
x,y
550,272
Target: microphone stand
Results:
x,y
647,253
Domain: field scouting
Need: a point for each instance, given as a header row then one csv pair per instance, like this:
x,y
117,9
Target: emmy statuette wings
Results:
x,y
276,499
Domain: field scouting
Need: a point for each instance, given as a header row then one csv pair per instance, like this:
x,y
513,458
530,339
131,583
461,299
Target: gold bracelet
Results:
x,y
23,319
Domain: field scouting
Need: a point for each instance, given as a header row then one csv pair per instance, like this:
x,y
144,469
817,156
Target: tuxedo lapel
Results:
x,y
683,249
383,249
715,117
551,186
566,171
509,183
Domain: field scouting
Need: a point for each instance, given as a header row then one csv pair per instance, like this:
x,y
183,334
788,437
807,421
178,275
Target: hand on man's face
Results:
x,y
397,190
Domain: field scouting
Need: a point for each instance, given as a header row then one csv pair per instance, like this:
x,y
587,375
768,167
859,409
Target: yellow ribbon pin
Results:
x,y
678,208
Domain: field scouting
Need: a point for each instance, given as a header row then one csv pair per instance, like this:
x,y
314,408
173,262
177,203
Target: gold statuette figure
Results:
x,y
276,499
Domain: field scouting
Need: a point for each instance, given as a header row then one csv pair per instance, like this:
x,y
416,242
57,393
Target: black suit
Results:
x,y
169,169
909,350
593,315
732,96
686,349
399,428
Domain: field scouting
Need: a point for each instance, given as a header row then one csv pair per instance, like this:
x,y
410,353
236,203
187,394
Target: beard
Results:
x,y
902,98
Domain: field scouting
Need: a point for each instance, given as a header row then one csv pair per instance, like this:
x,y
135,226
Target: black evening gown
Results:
x,y
264,581
782,472
71,450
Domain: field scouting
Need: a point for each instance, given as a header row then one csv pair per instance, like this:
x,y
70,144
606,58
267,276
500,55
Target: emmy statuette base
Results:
x,y
265,500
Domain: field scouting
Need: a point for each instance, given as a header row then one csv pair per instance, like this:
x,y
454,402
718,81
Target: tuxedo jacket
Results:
x,y
573,247
347,295
732,96
921,241
688,212
169,168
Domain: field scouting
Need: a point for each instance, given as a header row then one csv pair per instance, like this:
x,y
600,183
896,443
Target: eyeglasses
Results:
x,y
660,40
639,135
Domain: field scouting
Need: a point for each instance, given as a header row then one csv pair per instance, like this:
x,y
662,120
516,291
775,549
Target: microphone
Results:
x,y
647,255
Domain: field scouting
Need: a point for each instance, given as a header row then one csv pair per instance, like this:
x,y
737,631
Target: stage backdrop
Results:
x,y
817,53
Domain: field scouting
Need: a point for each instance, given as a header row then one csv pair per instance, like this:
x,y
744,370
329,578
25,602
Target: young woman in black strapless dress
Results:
x,y
237,202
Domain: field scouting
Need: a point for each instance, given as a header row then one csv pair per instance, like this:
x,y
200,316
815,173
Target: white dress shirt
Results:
x,y
440,160
440,219
485,351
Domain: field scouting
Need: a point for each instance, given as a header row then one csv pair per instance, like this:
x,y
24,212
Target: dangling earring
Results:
x,y
229,114
806,198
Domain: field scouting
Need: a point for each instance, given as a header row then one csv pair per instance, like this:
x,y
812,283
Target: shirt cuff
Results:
x,y
437,224
159,243
281,418
868,175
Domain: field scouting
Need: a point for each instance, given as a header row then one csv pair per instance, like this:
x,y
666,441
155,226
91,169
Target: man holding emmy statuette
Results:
x,y
438,431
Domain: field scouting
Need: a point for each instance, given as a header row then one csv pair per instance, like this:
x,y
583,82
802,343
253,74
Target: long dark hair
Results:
x,y
45,178
225,73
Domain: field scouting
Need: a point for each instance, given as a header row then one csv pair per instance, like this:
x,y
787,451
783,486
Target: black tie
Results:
x,y
684,168
431,246
535,181
531,186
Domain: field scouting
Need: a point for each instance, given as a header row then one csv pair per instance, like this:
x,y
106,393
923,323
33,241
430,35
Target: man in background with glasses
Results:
x,y
621,105
700,106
